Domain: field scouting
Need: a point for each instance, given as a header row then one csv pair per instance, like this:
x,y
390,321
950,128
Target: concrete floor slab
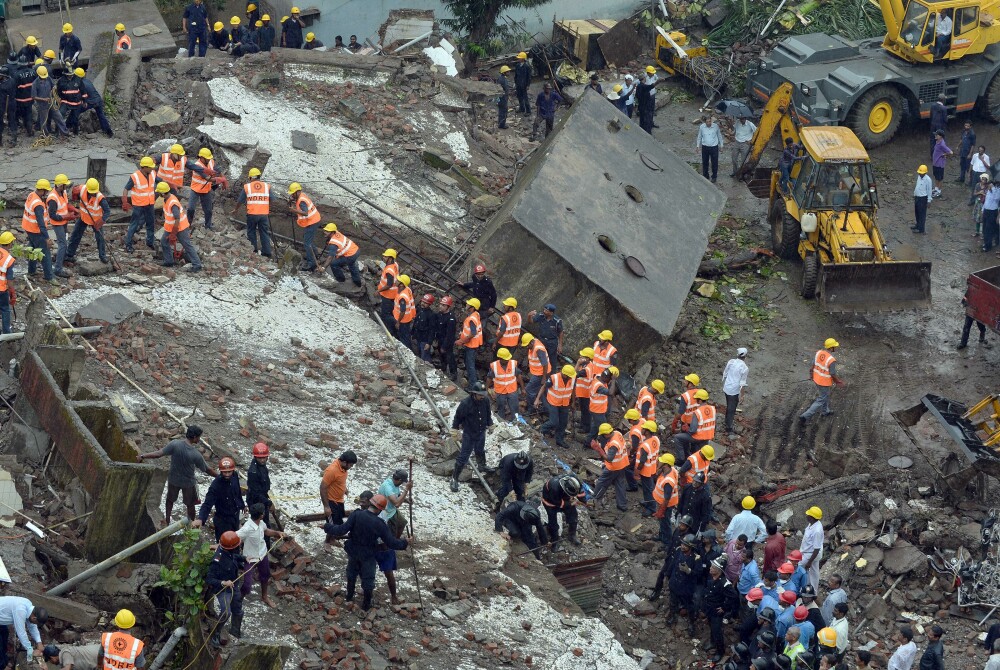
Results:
x,y
92,20
70,160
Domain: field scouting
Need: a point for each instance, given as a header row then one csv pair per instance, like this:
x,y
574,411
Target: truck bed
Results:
x,y
983,298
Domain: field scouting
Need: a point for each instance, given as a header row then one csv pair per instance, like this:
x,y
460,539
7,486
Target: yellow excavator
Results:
x,y
827,216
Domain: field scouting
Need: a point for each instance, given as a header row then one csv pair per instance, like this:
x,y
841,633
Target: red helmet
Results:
x,y
380,501
755,594
227,465
428,298
479,269
801,613
786,569
795,555
788,597
447,301
260,450
229,540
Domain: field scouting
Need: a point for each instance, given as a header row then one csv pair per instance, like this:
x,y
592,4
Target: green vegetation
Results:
x,y
184,577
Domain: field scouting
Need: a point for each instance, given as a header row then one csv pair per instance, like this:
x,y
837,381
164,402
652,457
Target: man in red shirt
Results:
x,y
774,548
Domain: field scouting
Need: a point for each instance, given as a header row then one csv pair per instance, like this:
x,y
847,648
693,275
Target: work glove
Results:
x,y
685,569
660,513
12,295
172,238
126,206
73,210
99,224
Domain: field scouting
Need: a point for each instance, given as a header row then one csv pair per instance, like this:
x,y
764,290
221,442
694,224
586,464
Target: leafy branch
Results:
x,y
184,577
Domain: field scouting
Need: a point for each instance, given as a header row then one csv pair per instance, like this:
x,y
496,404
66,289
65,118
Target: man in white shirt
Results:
x,y
922,195
979,164
840,625
734,378
26,620
747,523
942,34
743,131
255,551
906,653
709,141
993,663
628,92
812,546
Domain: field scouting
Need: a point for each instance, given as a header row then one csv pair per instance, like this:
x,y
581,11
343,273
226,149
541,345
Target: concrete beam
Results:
x,y
63,609
343,61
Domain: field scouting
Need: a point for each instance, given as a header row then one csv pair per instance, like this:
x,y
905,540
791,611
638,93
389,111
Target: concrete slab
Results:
x,y
111,309
304,141
89,21
21,174
10,501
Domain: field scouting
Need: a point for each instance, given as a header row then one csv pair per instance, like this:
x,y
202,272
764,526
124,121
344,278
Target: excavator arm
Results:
x,y
779,113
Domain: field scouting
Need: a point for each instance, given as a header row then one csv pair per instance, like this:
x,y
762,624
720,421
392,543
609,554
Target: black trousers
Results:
x,y
552,526
968,327
523,101
502,112
920,211
991,231
732,402
710,155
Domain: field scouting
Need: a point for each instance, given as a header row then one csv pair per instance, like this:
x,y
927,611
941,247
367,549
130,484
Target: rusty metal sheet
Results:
x,y
583,581
621,44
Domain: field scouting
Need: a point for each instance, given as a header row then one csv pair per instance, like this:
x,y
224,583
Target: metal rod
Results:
x,y
413,554
413,41
85,330
119,557
168,648
76,518
18,512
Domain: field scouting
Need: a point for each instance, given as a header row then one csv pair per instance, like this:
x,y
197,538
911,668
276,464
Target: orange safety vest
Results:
x,y
404,310
598,401
602,358
821,368
706,422
124,43
200,183
91,212
258,197
621,455
470,341
345,246
659,495
173,172
651,445
698,464
311,217
143,191
584,378
534,362
383,288
120,650
512,329
62,208
635,431
504,380
28,221
6,260
171,224
645,395
689,404
560,393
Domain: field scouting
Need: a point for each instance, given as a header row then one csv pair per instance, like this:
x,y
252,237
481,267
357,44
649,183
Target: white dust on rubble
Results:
x,y
345,154
433,124
328,75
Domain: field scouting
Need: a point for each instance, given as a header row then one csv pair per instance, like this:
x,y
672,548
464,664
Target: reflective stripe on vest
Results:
x,y
669,477
602,357
143,192
560,393
199,183
645,395
258,197
504,380
404,309
635,432
311,217
124,43
620,461
345,246
383,288
91,212
689,404
6,260
698,464
706,422
70,96
23,93
534,362
120,650
173,224
651,445
472,341
172,172
584,378
821,368
62,208
28,221
512,329
598,401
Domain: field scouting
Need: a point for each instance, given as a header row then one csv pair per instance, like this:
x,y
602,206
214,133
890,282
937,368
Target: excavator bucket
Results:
x,y
875,287
760,183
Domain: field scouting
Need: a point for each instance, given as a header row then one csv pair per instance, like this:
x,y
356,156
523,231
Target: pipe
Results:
x,y
119,557
85,330
168,648
413,41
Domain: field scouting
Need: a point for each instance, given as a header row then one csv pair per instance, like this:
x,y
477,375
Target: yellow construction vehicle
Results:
x,y
827,217
678,56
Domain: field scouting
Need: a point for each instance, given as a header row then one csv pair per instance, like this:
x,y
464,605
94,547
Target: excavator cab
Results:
x,y
911,32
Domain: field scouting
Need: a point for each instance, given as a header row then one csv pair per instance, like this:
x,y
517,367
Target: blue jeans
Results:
x,y
822,401
647,484
40,241
786,175
141,215
308,239
403,333
5,318
74,240
595,422
531,390
230,601
470,365
610,478
424,351
184,237
206,200
258,224
507,405
336,267
202,39
558,418
60,232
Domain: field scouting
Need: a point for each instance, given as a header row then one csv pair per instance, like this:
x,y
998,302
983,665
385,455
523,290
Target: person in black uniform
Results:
x,y
24,77
549,329
504,97
522,80
709,552
447,326
221,580
425,328
697,502
720,601
8,87
70,93
219,39
645,102
225,496
522,520
684,574
561,494
473,416
30,52
258,479
291,30
516,470
481,287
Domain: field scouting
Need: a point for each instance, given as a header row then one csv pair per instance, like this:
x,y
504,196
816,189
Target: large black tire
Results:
x,y
991,100
784,231
876,116
810,275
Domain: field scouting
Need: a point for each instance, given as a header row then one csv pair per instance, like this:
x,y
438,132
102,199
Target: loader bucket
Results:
x,y
875,287
760,183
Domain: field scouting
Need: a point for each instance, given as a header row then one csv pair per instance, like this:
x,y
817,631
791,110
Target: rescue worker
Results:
x,y
253,13
195,24
30,52
265,35
799,577
645,99
597,403
502,100
473,416
84,657
545,110
686,403
509,329
223,572
259,479
175,225
33,222
387,286
333,489
24,78
696,501
447,325
70,92
807,631
92,101
719,602
404,311
824,376
242,41
291,30
8,89
8,296
60,212
666,494
95,210
202,185
562,493
121,650
425,328
256,195
69,45
605,353
471,338
645,465
700,429
558,392
312,42
632,423
45,108
610,444
122,41
522,80
645,402
139,196
516,471
539,367
549,329
184,458
171,166
365,530
27,621
812,545
684,574
786,617
341,252
522,520
696,463
220,38
503,372
482,289
255,536
581,392
306,217
225,497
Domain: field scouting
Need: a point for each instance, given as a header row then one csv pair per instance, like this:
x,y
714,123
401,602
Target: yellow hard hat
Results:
x,y
120,27
605,335
815,512
693,379
612,370
49,53
749,502
526,339
504,69
503,353
205,153
708,451
80,72
39,61
284,18
61,180
701,394
251,7
310,37
473,302
658,385
266,17
254,172
32,41
632,415
43,185
294,187
831,343
522,56
587,352
391,253
218,26
568,370
67,27
650,69
650,426
617,88
178,150
258,23
330,227
404,280
42,72
235,21
147,162
605,429
162,187
510,302
93,186
667,458
827,637
295,10
6,237
124,619
922,169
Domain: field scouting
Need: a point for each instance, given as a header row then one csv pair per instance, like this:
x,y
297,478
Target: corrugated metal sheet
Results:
x,y
583,581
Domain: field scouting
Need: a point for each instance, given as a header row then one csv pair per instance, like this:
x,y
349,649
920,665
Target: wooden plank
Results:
x,y
63,609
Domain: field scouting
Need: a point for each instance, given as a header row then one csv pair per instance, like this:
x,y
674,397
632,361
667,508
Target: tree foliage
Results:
x,y
185,577
476,22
